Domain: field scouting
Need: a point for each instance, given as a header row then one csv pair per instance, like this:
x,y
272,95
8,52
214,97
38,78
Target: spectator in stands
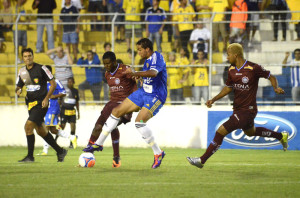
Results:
x,y
185,29
295,73
202,7
70,32
154,31
77,3
253,6
44,7
200,38
175,45
279,5
132,7
219,28
7,20
115,6
62,61
97,6
22,29
165,4
294,5
200,88
94,75
238,21
174,79
187,78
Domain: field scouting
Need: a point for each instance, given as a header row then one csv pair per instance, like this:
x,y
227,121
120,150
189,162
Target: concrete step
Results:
x,y
279,46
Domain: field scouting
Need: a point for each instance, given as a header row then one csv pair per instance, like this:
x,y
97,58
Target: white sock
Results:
x,y
148,137
63,134
46,147
110,124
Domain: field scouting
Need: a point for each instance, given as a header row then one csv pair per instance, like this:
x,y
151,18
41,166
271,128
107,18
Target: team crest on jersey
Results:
x,y
117,81
245,79
36,80
147,64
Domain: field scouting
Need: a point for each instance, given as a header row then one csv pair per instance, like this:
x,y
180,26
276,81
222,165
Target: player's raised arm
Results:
x,y
274,83
148,73
226,90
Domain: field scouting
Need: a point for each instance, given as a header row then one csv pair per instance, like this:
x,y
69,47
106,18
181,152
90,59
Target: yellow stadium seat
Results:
x,y
4,59
42,58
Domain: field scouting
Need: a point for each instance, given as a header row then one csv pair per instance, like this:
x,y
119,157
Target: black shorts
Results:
x,y
106,111
95,6
36,112
243,119
66,116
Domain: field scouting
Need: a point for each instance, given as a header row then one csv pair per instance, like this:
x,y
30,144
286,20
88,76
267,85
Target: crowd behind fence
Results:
x,y
212,70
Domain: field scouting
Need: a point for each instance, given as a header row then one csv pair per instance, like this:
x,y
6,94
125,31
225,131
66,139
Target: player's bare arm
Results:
x,y
50,92
274,83
226,90
60,95
149,73
78,113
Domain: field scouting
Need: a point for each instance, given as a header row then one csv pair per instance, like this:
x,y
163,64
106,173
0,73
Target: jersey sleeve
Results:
x,y
60,87
77,95
19,81
47,73
261,72
229,82
157,63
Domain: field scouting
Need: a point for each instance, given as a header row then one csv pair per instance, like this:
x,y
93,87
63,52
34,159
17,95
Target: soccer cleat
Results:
x,y
92,148
74,142
158,159
27,159
61,156
195,161
284,140
116,162
42,153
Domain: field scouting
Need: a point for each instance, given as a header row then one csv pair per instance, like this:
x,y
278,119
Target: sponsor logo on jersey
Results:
x,y
36,80
241,87
245,79
238,74
275,123
117,81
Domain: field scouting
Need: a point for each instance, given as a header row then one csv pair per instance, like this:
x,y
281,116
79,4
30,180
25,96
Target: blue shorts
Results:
x,y
152,103
51,119
71,37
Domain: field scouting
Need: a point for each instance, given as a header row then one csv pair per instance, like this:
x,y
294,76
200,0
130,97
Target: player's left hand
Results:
x,y
45,103
279,90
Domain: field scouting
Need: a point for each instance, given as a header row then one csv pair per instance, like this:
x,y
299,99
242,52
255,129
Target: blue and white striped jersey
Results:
x,y
53,103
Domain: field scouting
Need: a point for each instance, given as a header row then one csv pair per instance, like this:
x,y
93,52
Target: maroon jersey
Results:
x,y
244,82
120,85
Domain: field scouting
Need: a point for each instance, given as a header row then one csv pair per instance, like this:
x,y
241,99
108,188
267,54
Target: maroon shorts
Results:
x,y
243,119
106,111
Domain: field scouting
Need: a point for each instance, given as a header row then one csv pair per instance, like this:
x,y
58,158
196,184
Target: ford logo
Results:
x,y
271,122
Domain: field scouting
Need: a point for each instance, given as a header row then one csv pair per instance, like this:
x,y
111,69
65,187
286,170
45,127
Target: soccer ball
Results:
x,y
87,160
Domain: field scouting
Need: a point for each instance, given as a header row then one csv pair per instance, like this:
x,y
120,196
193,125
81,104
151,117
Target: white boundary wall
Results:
x,y
174,126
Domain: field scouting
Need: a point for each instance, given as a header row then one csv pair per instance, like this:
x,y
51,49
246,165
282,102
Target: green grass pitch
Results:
x,y
228,173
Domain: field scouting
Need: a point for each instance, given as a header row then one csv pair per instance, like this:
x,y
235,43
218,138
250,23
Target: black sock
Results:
x,y
30,144
50,140
72,132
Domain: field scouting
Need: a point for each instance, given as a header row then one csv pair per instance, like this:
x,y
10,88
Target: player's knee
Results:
x,y
117,112
221,130
249,133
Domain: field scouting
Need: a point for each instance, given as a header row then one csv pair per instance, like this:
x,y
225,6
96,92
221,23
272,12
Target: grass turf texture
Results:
x,y
229,173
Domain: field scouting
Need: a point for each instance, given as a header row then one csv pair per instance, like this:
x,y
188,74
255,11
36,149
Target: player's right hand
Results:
x,y
209,103
19,92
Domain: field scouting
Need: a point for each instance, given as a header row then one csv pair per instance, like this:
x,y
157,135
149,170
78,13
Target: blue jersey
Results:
x,y
53,103
156,86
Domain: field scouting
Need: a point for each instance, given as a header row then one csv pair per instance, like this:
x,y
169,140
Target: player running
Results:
x,y
121,86
148,99
243,77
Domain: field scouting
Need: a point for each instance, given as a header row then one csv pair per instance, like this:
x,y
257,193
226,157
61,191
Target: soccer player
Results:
x,y
121,86
35,76
148,99
51,118
243,77
68,112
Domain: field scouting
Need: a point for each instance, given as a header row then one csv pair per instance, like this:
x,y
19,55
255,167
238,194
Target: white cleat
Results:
x,y
195,161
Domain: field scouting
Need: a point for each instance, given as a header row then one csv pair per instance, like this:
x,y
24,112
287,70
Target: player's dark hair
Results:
x,y
145,43
49,67
71,78
297,50
27,50
120,61
110,55
106,44
90,51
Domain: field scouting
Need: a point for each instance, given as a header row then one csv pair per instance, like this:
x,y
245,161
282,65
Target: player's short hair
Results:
x,y
71,78
145,43
110,55
297,50
27,50
236,48
49,68
106,44
120,61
